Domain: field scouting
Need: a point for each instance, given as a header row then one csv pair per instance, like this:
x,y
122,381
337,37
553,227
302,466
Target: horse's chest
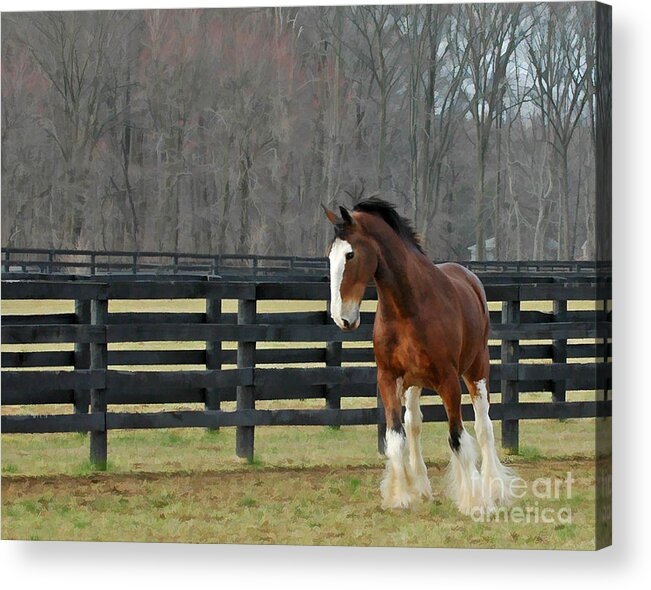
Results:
x,y
406,356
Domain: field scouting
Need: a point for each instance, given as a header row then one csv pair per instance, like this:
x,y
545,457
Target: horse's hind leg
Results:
x,y
413,426
497,480
463,479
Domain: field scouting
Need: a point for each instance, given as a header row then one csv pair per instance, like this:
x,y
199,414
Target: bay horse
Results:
x,y
431,329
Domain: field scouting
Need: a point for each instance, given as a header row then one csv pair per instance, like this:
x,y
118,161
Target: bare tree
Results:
x,y
379,49
491,32
73,51
444,109
558,55
223,130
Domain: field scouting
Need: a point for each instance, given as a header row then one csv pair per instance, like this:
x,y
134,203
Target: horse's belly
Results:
x,y
418,377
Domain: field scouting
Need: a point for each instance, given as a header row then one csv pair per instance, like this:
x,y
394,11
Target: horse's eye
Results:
x,y
349,255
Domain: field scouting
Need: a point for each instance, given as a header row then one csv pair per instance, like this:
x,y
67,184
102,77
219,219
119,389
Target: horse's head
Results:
x,y
353,262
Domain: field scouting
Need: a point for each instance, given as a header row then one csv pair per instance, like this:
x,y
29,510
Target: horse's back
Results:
x,y
461,275
471,294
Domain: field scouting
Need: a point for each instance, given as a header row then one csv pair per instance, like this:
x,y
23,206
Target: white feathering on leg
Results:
x,y
497,480
396,483
413,427
463,479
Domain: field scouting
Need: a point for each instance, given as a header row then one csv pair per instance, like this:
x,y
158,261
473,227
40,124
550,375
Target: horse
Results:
x,y
431,330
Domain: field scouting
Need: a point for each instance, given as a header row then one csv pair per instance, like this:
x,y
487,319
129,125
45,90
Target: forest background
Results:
x,y
222,130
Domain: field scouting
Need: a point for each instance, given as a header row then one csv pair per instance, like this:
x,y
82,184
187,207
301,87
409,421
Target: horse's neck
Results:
x,y
402,277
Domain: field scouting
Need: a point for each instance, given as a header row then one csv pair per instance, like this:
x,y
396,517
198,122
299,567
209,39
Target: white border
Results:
x,y
111,565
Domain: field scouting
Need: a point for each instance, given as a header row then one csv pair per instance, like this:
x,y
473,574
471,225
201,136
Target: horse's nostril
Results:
x,y
346,324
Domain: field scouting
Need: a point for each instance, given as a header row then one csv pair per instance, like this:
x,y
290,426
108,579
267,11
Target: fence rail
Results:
x,y
32,262
533,350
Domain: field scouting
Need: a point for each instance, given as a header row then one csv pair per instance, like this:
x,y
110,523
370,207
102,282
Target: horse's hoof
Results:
x,y
403,501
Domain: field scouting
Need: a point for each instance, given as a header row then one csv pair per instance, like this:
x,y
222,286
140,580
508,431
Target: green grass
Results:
x,y
170,439
197,449
530,453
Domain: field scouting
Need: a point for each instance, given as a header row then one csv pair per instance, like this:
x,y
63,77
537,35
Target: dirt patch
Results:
x,y
314,506
20,484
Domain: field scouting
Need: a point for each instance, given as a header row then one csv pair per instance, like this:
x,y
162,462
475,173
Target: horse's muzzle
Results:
x,y
348,326
350,318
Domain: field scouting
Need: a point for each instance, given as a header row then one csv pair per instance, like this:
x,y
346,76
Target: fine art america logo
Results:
x,y
543,489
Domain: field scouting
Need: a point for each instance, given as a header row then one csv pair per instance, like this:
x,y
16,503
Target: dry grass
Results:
x,y
307,485
275,447
317,506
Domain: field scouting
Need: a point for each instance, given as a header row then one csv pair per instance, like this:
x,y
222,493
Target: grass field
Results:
x,y
318,505
307,485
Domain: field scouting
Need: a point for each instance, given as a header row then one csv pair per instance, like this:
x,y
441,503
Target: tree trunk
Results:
x,y
245,197
480,203
382,141
564,213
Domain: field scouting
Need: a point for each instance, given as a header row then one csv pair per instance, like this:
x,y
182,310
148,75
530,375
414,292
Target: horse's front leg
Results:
x,y
413,426
396,487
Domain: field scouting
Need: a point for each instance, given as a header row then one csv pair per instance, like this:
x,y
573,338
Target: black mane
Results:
x,y
398,224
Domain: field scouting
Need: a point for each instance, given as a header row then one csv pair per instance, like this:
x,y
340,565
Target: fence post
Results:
x,y
98,362
82,356
244,437
381,424
333,392
604,378
510,354
559,352
213,354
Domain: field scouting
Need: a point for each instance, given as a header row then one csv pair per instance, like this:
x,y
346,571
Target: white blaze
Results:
x,y
337,265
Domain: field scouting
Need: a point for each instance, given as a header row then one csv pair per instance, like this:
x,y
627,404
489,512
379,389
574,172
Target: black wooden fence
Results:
x,y
26,262
534,351
22,262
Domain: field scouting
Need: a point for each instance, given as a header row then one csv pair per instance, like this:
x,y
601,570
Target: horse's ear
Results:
x,y
346,216
330,215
